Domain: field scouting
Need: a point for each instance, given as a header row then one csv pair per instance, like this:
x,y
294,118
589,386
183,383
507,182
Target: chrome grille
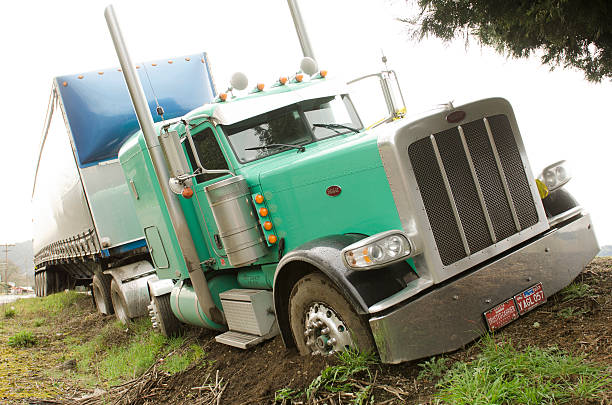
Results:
x,y
473,185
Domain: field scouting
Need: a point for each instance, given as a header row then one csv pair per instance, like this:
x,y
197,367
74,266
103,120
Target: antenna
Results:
x,y
384,59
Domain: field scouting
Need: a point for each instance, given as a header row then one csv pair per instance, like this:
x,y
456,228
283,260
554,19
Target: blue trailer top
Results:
x,y
99,110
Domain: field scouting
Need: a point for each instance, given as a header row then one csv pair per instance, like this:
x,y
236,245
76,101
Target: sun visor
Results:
x,y
232,112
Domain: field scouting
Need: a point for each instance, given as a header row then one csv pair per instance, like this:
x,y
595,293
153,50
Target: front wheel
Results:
x,y
162,317
322,321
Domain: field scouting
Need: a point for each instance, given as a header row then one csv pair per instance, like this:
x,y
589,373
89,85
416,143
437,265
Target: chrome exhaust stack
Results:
x,y
177,217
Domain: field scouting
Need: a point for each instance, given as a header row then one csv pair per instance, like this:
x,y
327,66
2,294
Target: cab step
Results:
x,y
242,340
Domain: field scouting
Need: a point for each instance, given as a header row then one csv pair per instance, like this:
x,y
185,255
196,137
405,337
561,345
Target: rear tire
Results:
x,y
102,294
163,318
322,321
119,304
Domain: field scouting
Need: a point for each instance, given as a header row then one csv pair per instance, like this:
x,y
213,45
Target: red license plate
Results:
x,y
501,315
530,298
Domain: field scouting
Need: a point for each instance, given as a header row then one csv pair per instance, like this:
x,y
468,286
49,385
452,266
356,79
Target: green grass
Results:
x,y
577,290
286,394
38,322
23,338
501,374
179,362
433,368
51,305
570,312
10,312
337,378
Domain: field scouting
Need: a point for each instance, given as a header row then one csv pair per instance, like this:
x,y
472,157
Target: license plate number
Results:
x,y
501,315
530,298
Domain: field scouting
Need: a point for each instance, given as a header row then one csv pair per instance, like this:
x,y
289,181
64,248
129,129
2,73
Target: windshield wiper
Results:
x,y
333,127
300,148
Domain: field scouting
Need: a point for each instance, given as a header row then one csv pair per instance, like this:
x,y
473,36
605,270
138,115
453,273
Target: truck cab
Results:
x,y
309,225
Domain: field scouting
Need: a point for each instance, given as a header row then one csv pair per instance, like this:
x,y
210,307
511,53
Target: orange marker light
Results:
x,y
260,86
259,198
267,225
137,66
187,192
100,73
80,76
299,77
263,212
187,59
223,96
153,64
272,239
282,80
170,62
323,73
65,84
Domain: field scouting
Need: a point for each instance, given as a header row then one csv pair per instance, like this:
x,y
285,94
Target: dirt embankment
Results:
x,y
579,322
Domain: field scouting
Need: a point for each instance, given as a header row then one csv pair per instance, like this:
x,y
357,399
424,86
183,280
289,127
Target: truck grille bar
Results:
x,y
473,185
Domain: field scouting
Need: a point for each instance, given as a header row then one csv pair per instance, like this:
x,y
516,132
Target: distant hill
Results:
x,y
605,251
21,256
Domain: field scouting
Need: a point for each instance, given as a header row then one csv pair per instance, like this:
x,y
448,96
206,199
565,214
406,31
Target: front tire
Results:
x,y
163,318
322,321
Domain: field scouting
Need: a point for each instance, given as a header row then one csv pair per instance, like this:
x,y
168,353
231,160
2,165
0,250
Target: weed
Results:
x,y
23,338
179,362
433,368
10,312
337,378
570,312
501,374
286,394
38,322
577,290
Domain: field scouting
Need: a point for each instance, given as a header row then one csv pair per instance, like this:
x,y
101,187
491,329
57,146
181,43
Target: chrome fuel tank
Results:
x,y
230,203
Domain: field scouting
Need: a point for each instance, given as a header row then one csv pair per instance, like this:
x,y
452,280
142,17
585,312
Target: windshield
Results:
x,y
297,124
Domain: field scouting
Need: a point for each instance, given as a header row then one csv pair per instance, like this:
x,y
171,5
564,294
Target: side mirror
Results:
x,y
177,162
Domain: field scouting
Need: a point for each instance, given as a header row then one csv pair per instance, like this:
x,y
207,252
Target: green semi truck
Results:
x,y
274,210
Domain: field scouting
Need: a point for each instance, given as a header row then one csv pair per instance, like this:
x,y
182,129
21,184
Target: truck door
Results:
x,y
212,157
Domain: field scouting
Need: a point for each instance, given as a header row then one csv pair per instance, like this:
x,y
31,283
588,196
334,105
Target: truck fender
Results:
x,y
158,288
361,289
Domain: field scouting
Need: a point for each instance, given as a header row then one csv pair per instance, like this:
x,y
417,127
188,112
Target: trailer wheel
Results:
x,y
119,304
102,295
322,321
163,318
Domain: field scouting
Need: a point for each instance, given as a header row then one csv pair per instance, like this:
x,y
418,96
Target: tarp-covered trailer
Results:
x,y
84,222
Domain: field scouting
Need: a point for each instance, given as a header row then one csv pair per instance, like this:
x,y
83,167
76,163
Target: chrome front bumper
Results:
x,y
450,315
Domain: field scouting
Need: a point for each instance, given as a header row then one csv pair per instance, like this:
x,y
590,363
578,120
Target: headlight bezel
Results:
x,y
552,178
383,242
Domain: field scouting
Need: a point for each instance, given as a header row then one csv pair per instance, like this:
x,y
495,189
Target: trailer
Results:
x,y
85,226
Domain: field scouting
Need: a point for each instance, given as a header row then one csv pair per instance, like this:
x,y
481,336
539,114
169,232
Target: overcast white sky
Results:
x,y
560,115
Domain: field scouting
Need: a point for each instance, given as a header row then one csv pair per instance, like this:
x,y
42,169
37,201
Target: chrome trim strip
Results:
x,y
564,215
502,175
412,288
483,204
449,192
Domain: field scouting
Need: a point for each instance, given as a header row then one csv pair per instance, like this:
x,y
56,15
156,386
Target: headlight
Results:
x,y
555,176
378,250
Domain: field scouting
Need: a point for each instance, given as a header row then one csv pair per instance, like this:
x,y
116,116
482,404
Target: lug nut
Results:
x,y
309,343
332,341
325,331
315,353
320,324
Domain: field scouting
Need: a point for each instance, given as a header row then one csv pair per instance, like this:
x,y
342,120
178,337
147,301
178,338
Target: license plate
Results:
x,y
501,315
530,298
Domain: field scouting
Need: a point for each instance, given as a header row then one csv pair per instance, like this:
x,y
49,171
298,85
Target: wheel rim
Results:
x,y
325,332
